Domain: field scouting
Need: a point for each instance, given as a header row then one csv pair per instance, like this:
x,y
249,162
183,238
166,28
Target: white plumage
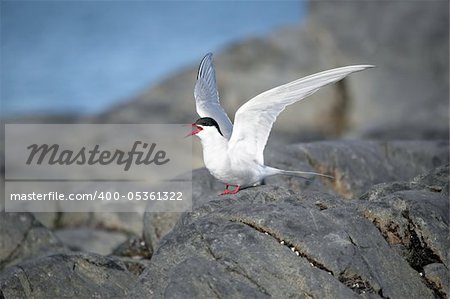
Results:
x,y
234,154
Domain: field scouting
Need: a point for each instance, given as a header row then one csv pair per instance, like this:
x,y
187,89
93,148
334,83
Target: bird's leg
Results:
x,y
236,190
232,192
226,190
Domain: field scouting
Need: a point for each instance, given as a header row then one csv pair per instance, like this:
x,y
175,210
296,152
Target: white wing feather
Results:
x,y
207,96
253,120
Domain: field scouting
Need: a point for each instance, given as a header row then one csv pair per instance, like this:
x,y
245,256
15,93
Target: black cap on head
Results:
x,y
208,121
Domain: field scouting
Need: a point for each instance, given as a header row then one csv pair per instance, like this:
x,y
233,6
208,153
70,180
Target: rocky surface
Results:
x,y
389,239
389,242
23,237
378,230
90,240
269,241
70,275
34,263
126,223
413,217
355,165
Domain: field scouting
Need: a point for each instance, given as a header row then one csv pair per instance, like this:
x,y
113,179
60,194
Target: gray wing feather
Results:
x,y
207,96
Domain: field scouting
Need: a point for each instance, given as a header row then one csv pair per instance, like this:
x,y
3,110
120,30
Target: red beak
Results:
x,y
197,130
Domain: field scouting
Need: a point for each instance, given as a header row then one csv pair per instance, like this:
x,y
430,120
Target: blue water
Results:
x,y
81,57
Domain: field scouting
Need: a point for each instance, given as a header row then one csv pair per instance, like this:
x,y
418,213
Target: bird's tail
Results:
x,y
302,174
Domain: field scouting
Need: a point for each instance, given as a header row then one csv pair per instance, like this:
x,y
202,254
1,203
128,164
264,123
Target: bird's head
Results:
x,y
205,126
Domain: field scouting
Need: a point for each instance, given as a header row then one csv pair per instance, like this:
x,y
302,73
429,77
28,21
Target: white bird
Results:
x,y
234,155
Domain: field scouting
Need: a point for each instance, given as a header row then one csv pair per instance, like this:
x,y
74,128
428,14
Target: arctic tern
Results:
x,y
234,155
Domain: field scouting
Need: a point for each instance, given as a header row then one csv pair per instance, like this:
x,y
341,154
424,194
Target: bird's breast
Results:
x,y
230,168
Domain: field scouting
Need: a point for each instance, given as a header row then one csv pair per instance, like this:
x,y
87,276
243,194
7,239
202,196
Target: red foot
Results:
x,y
233,192
236,190
226,191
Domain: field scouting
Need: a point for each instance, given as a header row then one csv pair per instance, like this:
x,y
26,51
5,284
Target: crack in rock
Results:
x,y
211,287
208,248
26,284
418,254
356,283
294,248
12,255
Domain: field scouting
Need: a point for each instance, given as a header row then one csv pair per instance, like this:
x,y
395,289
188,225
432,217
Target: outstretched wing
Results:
x,y
253,120
207,96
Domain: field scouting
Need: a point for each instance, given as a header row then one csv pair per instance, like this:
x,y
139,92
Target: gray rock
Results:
x,y
356,166
408,91
22,237
416,220
158,224
438,276
70,275
48,219
413,218
134,247
34,263
267,241
271,242
127,223
91,240
437,180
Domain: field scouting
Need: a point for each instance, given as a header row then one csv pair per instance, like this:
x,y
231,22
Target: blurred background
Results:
x,y
80,57
136,62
